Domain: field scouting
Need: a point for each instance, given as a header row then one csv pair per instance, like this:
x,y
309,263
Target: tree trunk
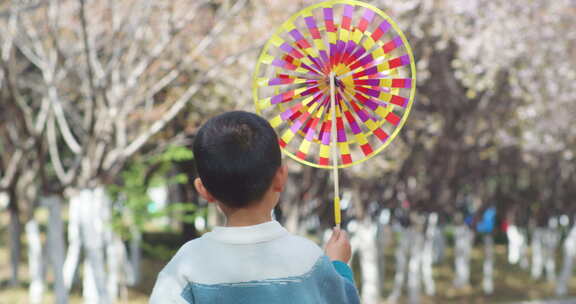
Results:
x,y
74,238
550,243
89,228
415,266
94,223
135,257
117,263
537,253
524,261
383,238
15,231
428,254
89,289
184,193
464,240
488,267
516,246
55,244
568,263
35,262
366,234
402,253
439,245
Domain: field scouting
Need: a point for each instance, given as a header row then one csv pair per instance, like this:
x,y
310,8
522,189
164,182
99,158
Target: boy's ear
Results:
x,y
203,191
280,179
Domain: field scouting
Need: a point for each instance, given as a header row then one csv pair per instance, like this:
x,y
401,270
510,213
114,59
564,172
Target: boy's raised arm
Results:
x,y
339,251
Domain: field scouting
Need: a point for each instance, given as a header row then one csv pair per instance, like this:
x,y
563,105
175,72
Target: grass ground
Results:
x,y
512,284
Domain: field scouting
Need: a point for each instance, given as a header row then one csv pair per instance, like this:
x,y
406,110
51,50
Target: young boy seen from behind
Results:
x,y
253,259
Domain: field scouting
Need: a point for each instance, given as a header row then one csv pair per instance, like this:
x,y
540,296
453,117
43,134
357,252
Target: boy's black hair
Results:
x,y
237,155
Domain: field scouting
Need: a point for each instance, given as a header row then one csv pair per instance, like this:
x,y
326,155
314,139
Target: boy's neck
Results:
x,y
246,217
257,213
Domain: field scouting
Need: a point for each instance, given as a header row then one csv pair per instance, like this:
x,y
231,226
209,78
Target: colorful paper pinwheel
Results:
x,y
336,81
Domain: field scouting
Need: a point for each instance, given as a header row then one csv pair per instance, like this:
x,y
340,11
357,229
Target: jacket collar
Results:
x,y
248,234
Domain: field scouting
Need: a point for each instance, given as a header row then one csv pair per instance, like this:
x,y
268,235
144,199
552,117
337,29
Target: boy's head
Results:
x,y
237,157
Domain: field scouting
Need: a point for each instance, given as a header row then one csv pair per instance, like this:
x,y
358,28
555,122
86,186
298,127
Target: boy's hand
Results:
x,y
338,247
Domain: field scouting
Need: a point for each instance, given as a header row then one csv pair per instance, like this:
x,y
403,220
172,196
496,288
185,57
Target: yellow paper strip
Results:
x,y
337,215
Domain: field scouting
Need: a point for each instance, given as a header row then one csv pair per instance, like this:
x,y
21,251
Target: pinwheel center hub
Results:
x,y
339,84
341,79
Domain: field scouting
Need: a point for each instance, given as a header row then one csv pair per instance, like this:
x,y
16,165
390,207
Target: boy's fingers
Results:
x,y
342,237
337,232
333,237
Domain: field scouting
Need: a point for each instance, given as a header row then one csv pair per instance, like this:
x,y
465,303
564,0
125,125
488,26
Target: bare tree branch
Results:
x,y
200,47
11,169
176,108
69,138
146,62
54,152
30,7
91,105
21,108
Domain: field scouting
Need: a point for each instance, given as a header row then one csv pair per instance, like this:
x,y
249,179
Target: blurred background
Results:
x,y
474,202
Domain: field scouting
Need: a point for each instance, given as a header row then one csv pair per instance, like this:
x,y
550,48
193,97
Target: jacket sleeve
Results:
x,y
344,270
346,277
